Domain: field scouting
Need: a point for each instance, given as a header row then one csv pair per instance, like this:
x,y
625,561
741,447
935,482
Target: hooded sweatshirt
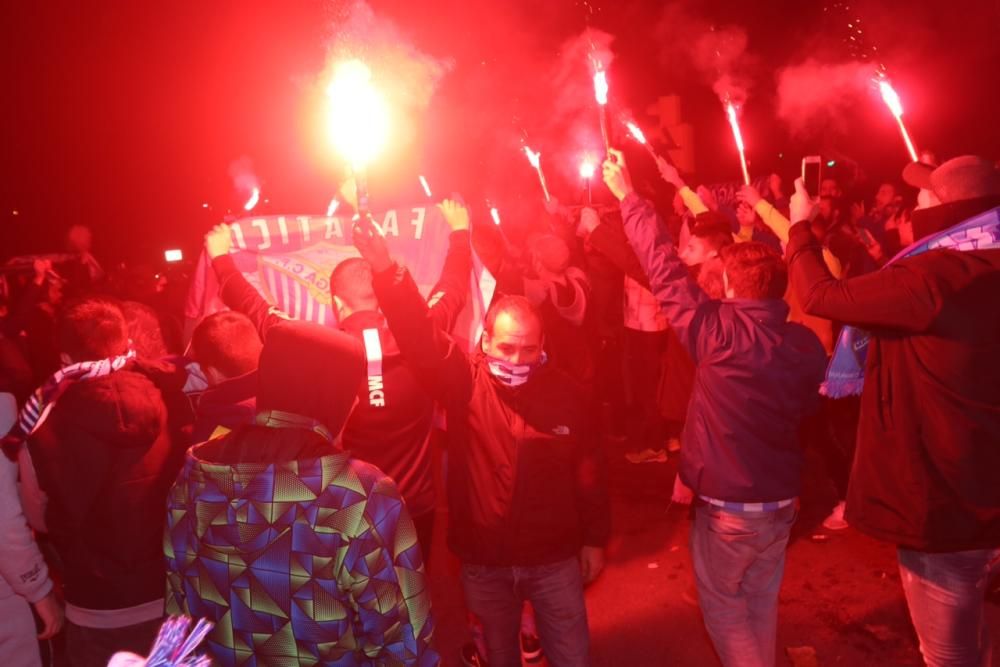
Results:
x,y
105,458
297,552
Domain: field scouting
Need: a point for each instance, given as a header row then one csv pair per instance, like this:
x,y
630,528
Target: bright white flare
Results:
x,y
891,98
738,137
636,132
533,157
332,207
495,214
601,87
254,198
358,117
587,169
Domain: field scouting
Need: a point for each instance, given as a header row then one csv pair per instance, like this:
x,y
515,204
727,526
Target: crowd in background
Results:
x,y
277,477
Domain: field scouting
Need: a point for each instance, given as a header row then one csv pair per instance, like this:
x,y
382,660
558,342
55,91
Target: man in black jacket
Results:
x,y
106,444
528,501
925,472
391,426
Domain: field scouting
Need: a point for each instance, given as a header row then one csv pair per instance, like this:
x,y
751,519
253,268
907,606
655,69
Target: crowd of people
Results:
x,y
277,477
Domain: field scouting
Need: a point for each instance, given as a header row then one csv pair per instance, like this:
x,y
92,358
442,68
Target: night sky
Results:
x,y
127,115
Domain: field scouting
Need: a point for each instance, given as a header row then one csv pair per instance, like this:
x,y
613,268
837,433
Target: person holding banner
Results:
x,y
392,424
528,498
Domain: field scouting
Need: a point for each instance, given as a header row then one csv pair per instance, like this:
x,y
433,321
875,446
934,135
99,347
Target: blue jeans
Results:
x,y
945,593
496,595
739,561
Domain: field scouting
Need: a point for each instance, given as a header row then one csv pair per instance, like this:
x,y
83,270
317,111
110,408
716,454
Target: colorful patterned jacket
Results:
x,y
298,554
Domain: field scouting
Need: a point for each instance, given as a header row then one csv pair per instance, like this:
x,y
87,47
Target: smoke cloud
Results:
x,y
814,94
244,177
717,55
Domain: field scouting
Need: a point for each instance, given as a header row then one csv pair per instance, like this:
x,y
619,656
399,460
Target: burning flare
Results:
x,y
587,169
601,94
252,201
358,118
738,137
601,87
891,99
636,132
535,158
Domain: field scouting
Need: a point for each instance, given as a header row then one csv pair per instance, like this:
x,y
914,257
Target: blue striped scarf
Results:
x,y
846,373
37,407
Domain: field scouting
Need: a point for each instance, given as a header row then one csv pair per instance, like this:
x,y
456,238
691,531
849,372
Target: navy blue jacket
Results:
x,y
756,375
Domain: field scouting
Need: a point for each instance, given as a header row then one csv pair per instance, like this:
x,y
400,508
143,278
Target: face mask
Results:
x,y
513,375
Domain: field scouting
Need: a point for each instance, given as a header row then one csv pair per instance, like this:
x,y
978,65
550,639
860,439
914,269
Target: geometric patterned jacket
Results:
x,y
308,558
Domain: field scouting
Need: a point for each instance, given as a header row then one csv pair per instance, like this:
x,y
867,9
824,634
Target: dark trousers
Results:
x,y
496,596
840,418
644,352
91,647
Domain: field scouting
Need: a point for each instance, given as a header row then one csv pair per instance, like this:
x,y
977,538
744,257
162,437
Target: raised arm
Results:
x,y
438,361
685,305
452,289
691,199
236,292
895,298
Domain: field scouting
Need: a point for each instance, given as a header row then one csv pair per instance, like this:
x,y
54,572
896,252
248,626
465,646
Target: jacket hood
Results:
x,y
311,370
124,409
248,484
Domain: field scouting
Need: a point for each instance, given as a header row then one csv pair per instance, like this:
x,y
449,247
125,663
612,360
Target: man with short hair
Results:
x,y
928,442
757,376
529,513
106,441
227,348
391,427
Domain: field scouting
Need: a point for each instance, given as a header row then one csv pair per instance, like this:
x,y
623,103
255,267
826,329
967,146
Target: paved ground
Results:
x,y
841,597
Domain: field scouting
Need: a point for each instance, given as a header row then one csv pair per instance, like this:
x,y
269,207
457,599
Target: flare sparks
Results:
x,y
601,95
734,123
535,158
891,99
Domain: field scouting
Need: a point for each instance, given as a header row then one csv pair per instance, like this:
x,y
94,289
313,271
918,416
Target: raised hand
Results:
x,y
589,220
616,175
371,244
219,241
455,214
668,172
801,206
749,195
